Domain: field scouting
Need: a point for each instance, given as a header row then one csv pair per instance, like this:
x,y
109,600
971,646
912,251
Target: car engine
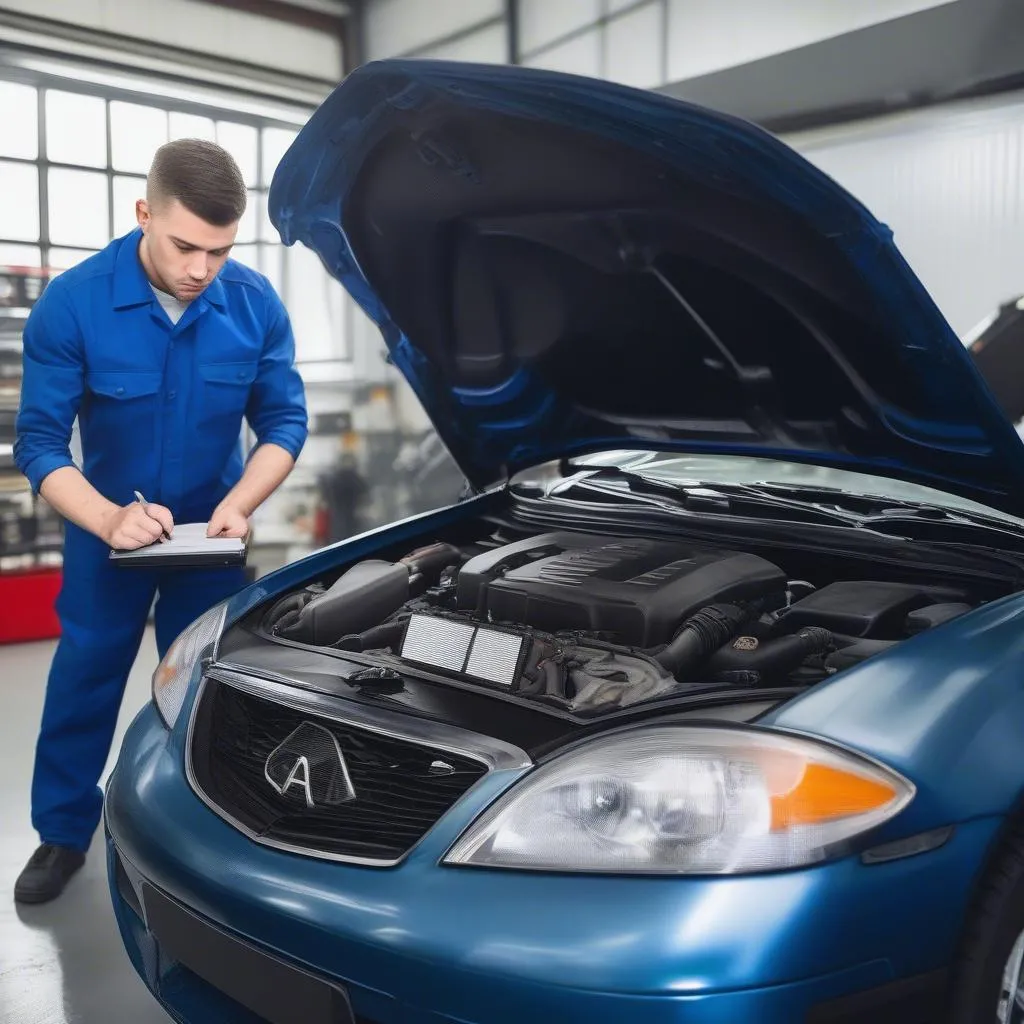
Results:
x,y
596,623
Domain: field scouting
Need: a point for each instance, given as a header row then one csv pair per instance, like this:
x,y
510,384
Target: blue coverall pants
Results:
x,y
103,610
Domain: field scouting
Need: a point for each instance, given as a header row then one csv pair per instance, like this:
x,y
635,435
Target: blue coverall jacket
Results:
x,y
160,408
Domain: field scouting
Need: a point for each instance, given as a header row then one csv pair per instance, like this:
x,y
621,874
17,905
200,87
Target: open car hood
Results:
x,y
559,265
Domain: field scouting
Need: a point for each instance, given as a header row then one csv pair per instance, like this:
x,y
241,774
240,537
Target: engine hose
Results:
x,y
432,560
700,635
770,659
385,635
740,678
285,612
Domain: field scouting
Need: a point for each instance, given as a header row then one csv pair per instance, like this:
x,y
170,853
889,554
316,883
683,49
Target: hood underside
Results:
x,y
560,265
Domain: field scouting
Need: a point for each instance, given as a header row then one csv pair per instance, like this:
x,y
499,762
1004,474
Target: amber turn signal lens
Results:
x,y
823,793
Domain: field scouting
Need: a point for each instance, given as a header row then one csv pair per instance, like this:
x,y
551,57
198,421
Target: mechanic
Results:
x,y
159,345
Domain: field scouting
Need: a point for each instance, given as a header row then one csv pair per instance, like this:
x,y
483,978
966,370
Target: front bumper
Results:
x,y
422,943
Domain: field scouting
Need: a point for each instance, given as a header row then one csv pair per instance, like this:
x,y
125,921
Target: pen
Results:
x,y
145,504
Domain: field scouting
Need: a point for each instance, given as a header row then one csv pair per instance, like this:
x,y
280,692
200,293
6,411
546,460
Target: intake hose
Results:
x,y
363,596
286,611
700,635
771,659
376,637
430,561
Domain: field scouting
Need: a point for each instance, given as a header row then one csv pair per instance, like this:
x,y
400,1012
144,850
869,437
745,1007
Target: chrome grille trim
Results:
x,y
494,754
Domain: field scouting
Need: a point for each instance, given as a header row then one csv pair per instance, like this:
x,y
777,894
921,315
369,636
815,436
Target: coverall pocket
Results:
x,y
225,395
124,409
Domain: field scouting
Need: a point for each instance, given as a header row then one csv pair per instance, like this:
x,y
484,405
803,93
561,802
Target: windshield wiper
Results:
x,y
729,499
871,509
811,504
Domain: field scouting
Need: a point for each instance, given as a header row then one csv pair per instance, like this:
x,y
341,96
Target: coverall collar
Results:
x,y
132,287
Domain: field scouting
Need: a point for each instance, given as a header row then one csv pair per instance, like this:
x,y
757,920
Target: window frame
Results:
x,y
44,83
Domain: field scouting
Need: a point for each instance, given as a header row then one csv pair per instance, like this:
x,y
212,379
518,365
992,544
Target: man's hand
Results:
x,y
268,465
135,526
228,521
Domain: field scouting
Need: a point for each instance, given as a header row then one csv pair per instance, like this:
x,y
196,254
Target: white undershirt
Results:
x,y
173,307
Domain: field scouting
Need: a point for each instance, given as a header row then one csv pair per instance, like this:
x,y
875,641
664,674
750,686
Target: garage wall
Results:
x,y
949,181
709,35
475,28
233,35
645,43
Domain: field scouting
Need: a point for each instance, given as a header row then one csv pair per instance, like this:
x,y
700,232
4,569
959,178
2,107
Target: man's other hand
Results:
x,y
135,526
228,521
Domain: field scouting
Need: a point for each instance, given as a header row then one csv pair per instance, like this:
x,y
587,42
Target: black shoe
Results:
x,y
46,873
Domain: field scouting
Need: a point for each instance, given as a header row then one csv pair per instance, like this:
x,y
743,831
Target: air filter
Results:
x,y
437,642
493,655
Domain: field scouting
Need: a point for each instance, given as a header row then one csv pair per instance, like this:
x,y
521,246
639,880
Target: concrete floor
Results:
x,y
63,962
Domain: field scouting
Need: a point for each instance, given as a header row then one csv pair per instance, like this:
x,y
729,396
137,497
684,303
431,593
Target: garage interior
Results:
x,y
915,106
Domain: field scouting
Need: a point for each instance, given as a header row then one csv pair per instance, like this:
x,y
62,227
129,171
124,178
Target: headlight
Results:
x,y
670,799
174,673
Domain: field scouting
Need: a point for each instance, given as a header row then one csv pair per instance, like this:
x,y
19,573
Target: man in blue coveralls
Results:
x,y
159,345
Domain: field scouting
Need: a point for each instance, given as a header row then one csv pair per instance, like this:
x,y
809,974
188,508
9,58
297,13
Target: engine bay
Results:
x,y
591,624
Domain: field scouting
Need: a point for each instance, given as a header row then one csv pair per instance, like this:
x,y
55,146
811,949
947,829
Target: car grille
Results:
x,y
393,792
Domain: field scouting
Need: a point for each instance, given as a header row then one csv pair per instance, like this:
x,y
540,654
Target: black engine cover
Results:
x,y
638,590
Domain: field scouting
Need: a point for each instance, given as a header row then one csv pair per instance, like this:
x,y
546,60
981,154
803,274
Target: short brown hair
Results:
x,y
202,176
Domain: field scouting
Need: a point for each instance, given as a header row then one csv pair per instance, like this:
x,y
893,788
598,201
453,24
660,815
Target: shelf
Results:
x,y
31,534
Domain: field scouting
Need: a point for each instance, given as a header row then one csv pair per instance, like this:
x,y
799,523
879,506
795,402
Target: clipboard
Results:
x,y
188,548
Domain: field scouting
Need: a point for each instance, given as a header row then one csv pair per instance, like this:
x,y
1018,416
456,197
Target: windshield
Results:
x,y
724,469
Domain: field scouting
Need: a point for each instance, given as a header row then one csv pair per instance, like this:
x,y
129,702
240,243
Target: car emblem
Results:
x,y
310,762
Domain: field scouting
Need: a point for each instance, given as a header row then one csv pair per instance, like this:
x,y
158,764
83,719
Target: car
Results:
x,y
705,703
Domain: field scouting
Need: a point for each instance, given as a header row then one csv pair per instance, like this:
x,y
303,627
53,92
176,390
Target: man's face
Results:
x,y
181,252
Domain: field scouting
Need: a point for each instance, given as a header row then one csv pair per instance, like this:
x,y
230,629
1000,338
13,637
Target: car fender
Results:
x,y
944,708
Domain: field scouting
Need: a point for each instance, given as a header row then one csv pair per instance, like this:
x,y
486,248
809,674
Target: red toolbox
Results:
x,y
26,605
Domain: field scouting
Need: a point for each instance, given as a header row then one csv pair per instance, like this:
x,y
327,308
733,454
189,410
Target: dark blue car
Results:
x,y
705,705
